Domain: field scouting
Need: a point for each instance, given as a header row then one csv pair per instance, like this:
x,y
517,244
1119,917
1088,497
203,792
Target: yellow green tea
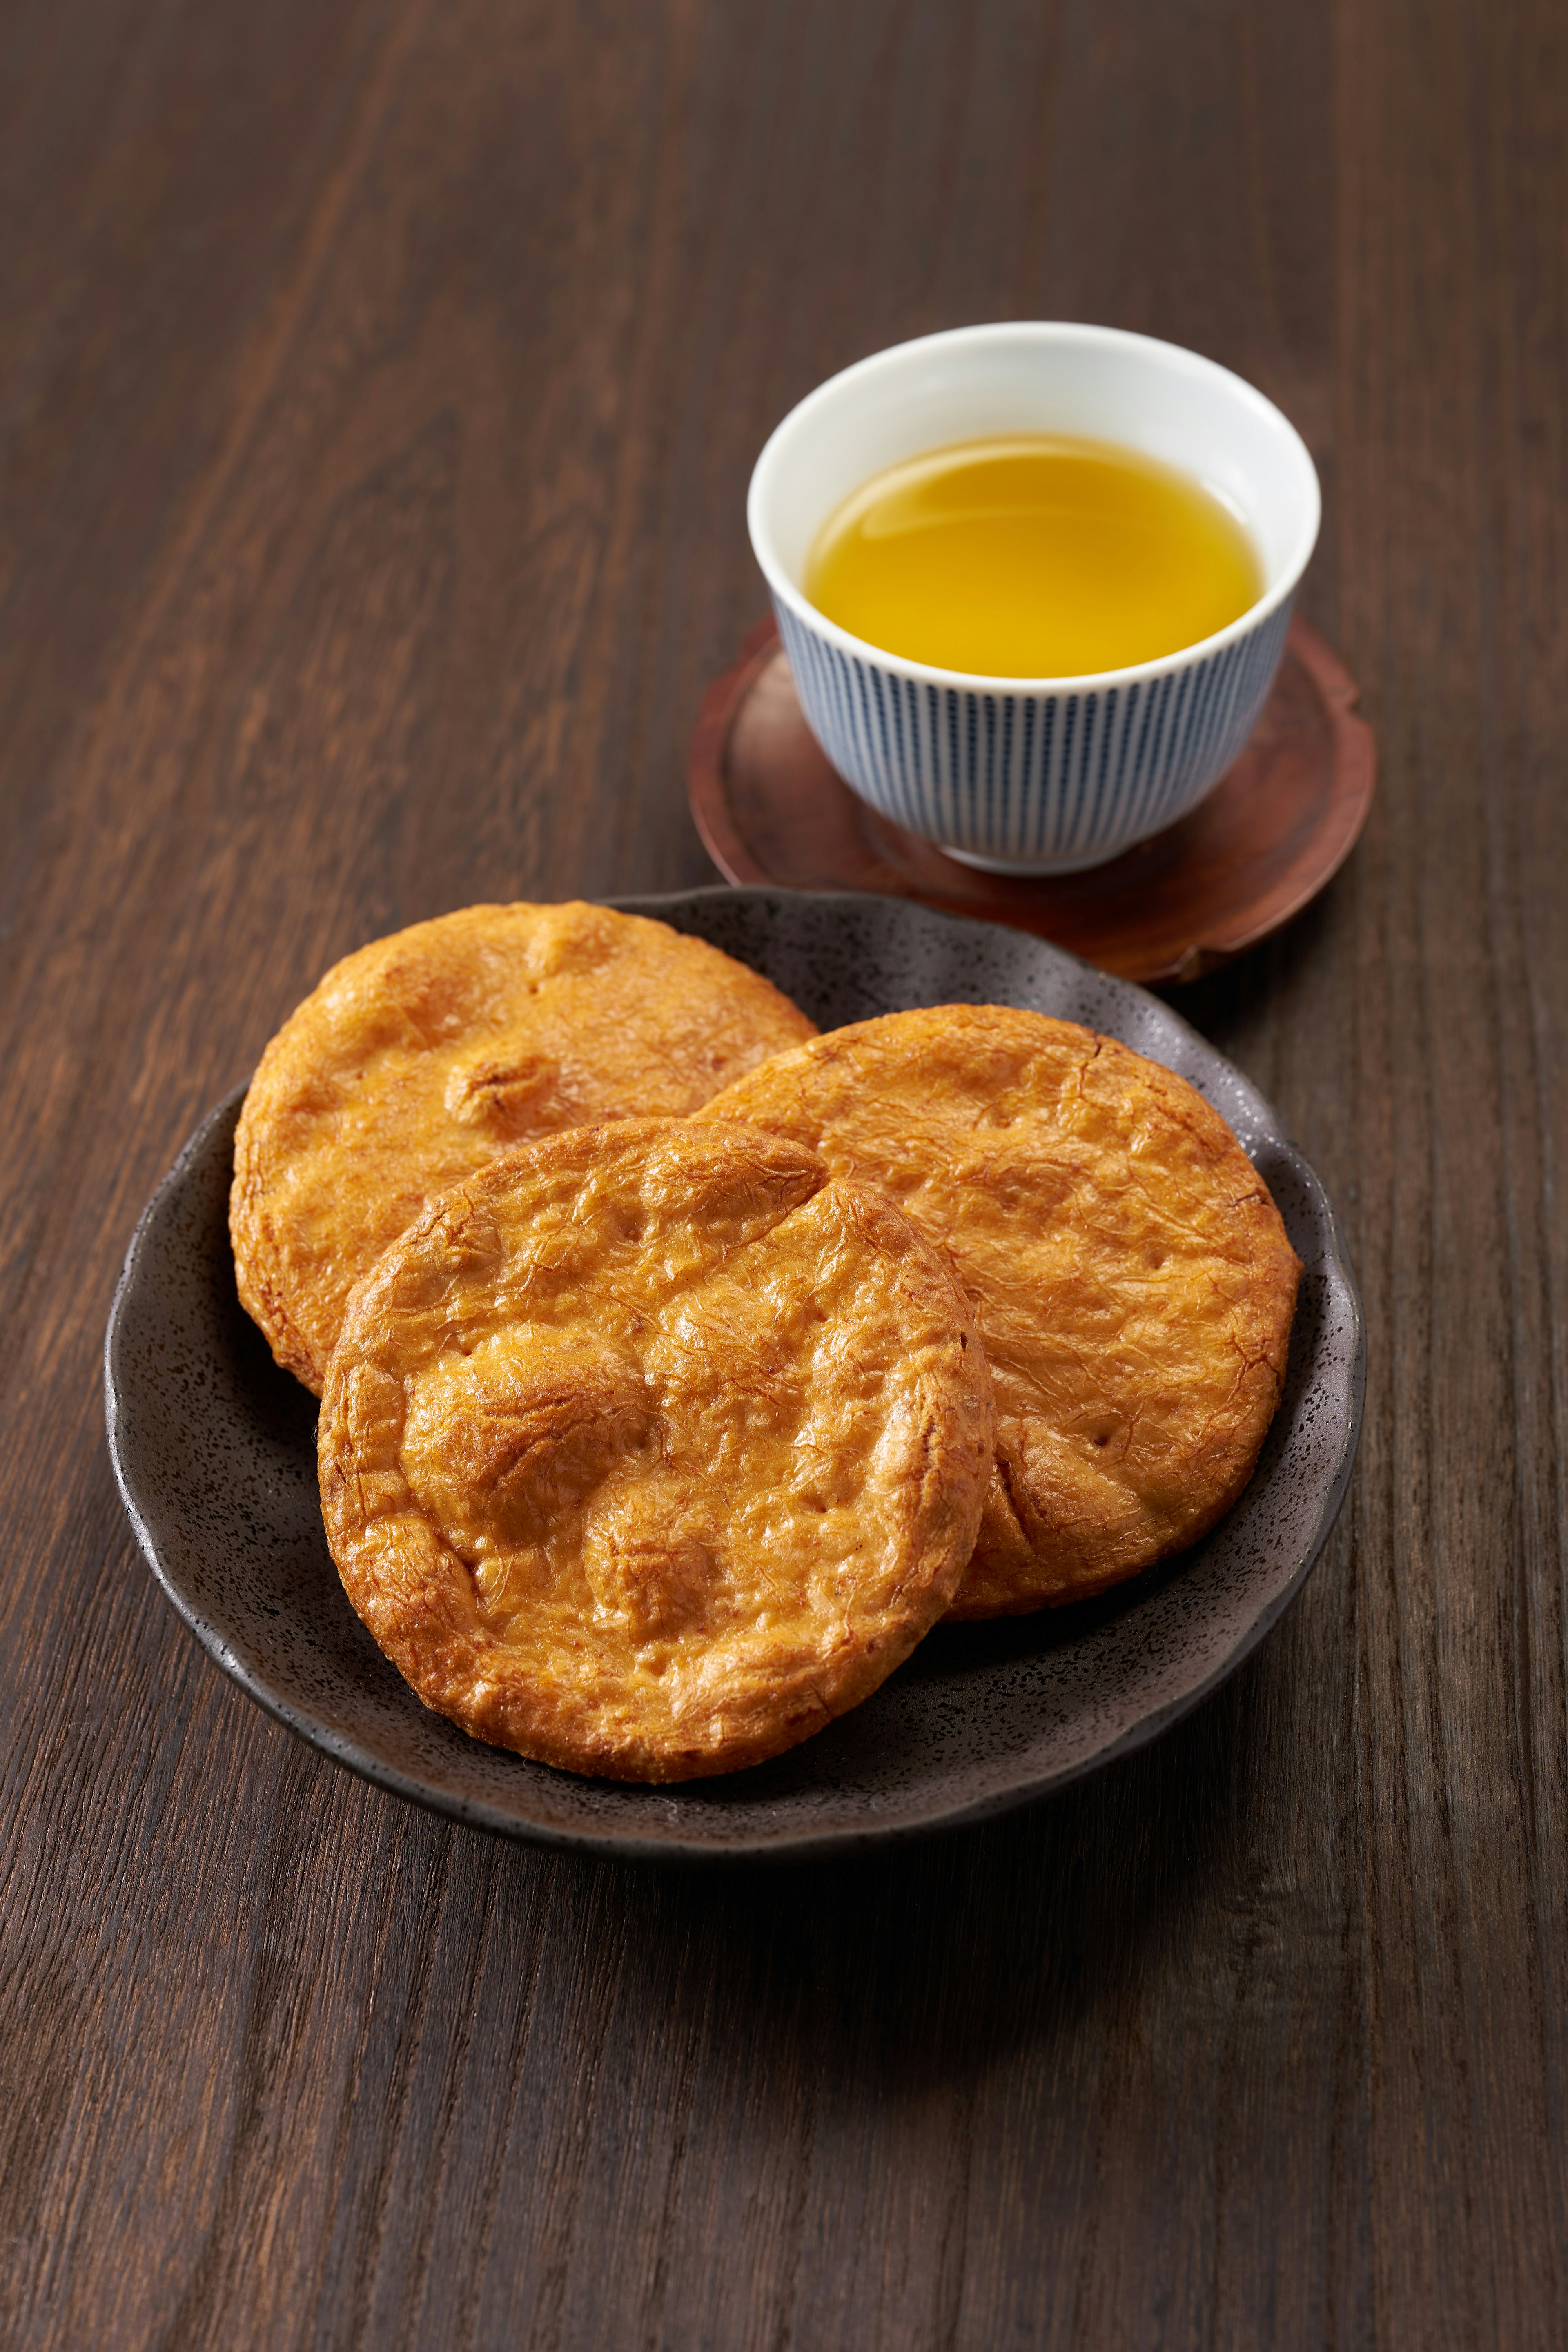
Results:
x,y
1035,556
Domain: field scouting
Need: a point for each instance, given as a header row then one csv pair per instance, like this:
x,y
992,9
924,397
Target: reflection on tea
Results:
x,y
1033,556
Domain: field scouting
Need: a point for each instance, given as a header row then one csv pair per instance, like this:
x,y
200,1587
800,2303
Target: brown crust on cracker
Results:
x,y
654,1447
1128,1273
422,1057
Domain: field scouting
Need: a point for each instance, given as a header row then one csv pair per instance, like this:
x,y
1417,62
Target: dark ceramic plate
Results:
x,y
214,1449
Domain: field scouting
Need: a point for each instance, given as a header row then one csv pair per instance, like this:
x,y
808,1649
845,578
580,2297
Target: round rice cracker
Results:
x,y
1128,1273
654,1448
423,1055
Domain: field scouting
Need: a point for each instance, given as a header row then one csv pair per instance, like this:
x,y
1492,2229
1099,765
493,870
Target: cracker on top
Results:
x,y
1128,1273
423,1055
653,1447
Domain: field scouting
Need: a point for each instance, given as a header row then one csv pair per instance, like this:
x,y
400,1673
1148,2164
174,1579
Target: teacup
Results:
x,y
1035,775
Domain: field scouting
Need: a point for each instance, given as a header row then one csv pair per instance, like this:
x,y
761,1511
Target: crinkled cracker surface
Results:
x,y
1128,1273
424,1055
654,1447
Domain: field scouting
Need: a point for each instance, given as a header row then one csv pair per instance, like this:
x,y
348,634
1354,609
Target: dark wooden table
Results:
x,y
379,386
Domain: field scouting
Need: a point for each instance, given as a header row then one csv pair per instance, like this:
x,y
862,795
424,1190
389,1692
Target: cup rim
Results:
x,y
774,451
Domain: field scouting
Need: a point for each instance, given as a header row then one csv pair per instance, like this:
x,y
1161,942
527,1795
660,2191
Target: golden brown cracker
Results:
x,y
423,1055
653,1448
1128,1273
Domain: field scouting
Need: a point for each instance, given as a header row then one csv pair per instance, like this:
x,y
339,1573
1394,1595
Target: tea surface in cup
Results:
x,y
1032,556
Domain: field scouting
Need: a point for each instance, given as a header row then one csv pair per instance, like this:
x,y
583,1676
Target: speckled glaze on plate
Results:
x,y
214,1449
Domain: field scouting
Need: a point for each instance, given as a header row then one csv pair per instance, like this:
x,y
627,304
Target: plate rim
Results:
x,y
816,1844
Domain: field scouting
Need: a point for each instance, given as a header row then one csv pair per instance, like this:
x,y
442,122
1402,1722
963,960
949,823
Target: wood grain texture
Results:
x,y
378,386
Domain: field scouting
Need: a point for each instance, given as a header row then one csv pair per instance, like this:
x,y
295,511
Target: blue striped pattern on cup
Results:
x,y
1044,779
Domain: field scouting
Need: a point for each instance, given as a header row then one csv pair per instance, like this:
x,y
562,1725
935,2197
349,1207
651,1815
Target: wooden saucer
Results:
x,y
1277,824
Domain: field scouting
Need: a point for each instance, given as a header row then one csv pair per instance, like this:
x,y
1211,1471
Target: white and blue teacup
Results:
x,y
1034,775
